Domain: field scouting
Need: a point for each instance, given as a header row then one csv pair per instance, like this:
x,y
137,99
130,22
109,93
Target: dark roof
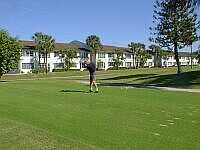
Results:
x,y
75,44
112,49
58,46
80,44
184,54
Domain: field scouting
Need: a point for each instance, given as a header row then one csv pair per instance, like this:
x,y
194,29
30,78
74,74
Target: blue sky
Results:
x,y
117,22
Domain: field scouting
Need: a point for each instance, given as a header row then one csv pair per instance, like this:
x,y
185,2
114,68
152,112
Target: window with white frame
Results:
x,y
150,64
31,53
100,65
83,55
28,53
27,65
42,65
111,64
128,56
128,64
74,65
42,55
169,63
58,65
110,55
101,55
56,54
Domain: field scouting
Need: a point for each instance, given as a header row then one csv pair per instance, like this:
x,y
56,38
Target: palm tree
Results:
x,y
94,43
156,51
44,44
70,54
37,37
118,59
139,52
133,48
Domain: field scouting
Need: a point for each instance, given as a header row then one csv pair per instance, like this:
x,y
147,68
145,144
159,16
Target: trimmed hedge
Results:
x,y
115,68
64,70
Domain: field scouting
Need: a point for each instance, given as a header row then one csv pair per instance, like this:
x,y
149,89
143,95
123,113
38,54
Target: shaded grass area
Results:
x,y
183,80
161,77
189,78
59,114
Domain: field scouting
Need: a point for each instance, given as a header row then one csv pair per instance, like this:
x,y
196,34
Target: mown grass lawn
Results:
x,y
60,114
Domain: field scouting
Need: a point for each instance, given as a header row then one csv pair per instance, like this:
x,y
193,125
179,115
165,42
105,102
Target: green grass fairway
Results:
x,y
60,114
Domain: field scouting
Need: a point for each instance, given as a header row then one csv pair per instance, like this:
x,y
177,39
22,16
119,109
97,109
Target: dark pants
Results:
x,y
92,77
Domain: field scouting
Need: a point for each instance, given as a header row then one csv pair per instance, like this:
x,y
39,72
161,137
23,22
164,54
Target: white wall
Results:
x,y
81,55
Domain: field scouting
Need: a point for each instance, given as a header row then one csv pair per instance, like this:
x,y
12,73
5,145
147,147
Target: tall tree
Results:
x,y
144,55
156,52
94,43
45,44
118,58
37,37
69,54
198,55
176,24
133,48
10,52
140,51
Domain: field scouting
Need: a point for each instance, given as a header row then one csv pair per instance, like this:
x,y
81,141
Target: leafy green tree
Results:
x,y
118,58
69,55
140,51
44,44
198,55
144,55
37,37
94,43
156,52
137,50
176,25
10,52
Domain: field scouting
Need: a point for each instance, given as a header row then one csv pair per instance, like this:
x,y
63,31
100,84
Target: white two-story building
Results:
x,y
104,58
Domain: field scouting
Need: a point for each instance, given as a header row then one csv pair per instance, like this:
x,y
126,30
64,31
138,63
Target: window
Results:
x,y
110,55
128,64
58,65
83,55
42,65
101,55
150,63
174,63
101,65
42,55
169,63
128,56
74,65
111,64
27,66
56,54
28,53
31,53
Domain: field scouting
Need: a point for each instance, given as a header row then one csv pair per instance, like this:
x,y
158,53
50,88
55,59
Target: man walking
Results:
x,y
92,70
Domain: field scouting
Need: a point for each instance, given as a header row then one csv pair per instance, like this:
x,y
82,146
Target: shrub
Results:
x,y
115,68
59,70
39,70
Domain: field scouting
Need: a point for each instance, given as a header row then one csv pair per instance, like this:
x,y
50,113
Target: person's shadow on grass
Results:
x,y
74,91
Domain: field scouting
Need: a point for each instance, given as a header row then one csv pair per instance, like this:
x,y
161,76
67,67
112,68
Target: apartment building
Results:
x,y
104,58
